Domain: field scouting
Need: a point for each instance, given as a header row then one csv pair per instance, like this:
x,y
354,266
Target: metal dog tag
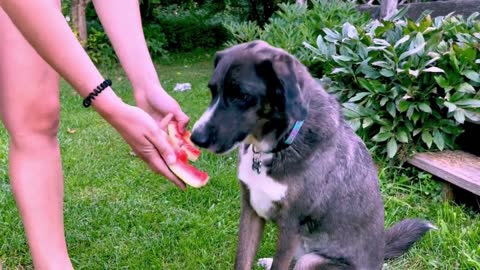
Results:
x,y
256,163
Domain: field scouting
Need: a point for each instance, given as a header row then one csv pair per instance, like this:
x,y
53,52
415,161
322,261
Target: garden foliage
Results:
x,y
405,85
292,24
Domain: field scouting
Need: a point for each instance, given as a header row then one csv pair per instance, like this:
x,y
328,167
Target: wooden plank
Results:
x,y
457,167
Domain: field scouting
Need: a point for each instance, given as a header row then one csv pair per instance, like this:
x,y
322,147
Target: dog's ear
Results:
x,y
278,72
217,58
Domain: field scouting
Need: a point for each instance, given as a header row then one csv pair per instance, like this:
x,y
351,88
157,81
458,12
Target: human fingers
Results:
x,y
165,120
182,120
158,165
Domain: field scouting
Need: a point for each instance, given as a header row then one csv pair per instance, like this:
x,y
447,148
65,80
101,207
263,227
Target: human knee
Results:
x,y
36,121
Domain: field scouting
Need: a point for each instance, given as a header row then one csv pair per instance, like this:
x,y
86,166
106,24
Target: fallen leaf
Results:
x,y
71,130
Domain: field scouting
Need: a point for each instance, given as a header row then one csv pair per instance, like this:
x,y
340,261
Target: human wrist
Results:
x,y
108,104
145,94
146,85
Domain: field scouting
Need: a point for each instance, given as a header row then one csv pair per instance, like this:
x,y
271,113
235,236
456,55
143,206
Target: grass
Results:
x,y
119,215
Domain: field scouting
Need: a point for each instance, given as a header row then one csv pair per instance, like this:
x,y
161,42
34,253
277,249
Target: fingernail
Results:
x,y
171,159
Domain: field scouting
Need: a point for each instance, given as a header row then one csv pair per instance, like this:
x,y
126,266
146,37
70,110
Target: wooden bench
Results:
x,y
456,167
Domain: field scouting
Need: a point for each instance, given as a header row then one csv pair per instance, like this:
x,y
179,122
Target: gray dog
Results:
x,y
301,166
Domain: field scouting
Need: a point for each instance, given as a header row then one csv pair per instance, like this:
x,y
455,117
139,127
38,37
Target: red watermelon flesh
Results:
x,y
182,141
185,150
188,173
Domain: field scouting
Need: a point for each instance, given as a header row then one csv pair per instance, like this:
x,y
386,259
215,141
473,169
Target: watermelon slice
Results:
x,y
185,150
182,141
188,173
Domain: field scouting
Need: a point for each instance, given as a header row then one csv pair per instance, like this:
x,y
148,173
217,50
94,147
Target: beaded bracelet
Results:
x,y
89,99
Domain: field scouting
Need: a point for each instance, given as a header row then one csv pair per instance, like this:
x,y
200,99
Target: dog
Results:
x,y
300,166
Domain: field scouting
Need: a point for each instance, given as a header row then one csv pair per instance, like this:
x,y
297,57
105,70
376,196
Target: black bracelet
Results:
x,y
89,99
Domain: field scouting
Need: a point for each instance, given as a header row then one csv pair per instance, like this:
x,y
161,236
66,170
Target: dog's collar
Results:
x,y
294,132
284,143
287,140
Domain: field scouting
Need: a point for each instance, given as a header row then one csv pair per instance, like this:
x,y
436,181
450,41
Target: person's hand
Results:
x,y
147,138
158,103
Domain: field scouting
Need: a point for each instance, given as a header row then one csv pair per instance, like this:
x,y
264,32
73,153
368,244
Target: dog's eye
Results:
x,y
243,97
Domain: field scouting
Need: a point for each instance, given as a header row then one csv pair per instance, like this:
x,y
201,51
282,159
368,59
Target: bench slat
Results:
x,y
457,167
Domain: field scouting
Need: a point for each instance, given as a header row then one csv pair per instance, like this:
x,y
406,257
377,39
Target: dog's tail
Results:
x,y
401,236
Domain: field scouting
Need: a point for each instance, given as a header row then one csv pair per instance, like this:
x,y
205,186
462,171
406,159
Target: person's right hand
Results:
x,y
147,138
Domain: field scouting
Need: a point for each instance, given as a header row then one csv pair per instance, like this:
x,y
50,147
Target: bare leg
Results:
x,y
29,108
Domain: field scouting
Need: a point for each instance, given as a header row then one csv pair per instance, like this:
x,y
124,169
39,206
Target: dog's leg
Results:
x,y
287,244
249,234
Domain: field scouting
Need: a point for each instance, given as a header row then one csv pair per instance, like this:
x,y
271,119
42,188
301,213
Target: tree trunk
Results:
x,y
387,8
268,9
253,13
79,20
145,10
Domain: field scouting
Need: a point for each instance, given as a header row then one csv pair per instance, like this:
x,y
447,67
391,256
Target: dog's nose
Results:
x,y
200,138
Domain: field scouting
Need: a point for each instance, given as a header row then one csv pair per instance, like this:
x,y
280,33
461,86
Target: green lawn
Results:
x,y
119,215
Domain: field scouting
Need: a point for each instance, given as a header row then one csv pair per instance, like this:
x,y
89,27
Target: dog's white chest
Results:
x,y
264,190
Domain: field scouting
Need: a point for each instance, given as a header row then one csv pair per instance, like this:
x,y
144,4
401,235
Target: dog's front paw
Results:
x,y
265,263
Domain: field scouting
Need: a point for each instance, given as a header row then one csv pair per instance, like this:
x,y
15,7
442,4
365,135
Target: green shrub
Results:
x,y
101,51
182,28
405,86
187,30
292,24
156,40
98,46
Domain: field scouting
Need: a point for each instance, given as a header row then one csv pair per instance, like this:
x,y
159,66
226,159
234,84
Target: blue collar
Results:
x,y
294,132
288,140
284,143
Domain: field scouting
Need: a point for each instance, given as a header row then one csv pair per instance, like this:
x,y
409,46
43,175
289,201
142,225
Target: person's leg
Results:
x,y
29,108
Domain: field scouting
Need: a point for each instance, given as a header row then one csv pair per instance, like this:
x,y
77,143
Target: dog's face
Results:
x,y
255,95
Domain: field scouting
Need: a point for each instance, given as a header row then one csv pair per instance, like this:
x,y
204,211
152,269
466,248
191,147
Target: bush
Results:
x,y
293,24
405,86
184,27
156,40
98,46
187,30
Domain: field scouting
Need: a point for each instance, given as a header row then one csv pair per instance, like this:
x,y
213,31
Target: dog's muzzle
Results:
x,y
201,137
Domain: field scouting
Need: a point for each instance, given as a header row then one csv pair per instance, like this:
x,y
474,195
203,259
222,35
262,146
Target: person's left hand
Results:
x,y
158,104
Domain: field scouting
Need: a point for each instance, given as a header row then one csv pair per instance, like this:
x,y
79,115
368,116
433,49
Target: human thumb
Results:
x,y
182,120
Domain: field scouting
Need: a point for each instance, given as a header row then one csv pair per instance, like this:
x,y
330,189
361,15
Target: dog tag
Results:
x,y
256,164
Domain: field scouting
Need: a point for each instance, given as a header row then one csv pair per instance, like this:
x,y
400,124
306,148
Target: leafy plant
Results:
x,y
242,32
188,29
98,46
293,24
405,85
156,40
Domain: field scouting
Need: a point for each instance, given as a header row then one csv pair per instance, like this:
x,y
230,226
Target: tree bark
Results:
x,y
268,9
79,20
253,14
